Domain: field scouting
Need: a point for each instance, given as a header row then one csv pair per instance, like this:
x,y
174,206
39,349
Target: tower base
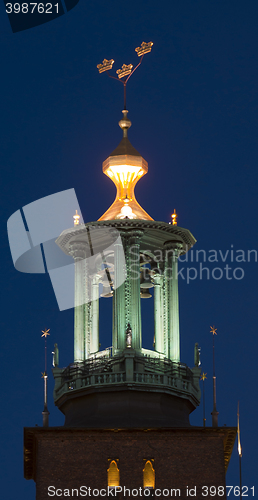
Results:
x,y
67,459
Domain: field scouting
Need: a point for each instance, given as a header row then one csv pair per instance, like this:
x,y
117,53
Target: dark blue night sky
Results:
x,y
193,105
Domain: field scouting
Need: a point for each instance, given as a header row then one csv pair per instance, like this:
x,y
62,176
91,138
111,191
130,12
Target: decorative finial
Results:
x,y
203,378
76,219
125,123
239,451
214,412
45,412
144,48
106,65
213,330
45,333
174,218
239,447
126,70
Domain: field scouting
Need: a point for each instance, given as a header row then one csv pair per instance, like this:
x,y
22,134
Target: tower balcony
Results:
x,y
128,389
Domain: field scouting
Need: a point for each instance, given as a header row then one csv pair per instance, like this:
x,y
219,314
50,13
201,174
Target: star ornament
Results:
x,y
203,377
43,374
45,333
213,330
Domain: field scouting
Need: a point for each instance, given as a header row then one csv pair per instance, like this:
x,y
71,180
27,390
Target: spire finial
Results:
x,y
127,69
76,218
214,411
125,123
45,412
174,218
203,378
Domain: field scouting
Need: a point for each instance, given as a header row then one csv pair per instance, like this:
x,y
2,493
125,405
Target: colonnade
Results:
x,y
126,298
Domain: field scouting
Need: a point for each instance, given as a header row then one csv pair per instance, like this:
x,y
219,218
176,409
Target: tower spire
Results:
x,y
127,69
214,411
125,166
45,412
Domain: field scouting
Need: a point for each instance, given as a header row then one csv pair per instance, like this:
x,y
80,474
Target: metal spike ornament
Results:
x,y
239,452
214,412
76,219
203,378
127,69
45,412
174,218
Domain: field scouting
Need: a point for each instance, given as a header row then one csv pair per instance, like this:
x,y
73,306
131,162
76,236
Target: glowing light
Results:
x,y
148,475
126,213
174,218
125,171
76,219
113,475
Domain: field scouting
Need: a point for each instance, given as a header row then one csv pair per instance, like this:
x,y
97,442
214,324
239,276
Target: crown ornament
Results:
x,y
144,48
126,70
106,65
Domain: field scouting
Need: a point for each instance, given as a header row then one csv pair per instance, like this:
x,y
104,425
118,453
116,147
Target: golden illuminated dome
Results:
x,y
125,166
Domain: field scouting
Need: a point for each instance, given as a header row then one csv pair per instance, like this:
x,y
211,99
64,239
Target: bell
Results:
x,y
144,259
145,280
145,293
106,292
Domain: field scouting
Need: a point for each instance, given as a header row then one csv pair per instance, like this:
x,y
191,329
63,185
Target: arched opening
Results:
x,y
148,475
113,475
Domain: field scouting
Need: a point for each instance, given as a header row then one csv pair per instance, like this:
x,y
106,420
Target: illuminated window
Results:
x,y
148,475
113,474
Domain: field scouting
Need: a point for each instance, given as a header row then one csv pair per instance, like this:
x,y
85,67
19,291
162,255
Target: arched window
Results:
x,y
148,475
113,474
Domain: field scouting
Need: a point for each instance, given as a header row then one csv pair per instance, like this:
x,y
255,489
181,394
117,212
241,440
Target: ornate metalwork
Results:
x,y
106,65
126,70
144,48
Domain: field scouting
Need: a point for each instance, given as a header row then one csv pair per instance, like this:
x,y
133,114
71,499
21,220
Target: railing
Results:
x,y
101,371
91,380
166,366
90,366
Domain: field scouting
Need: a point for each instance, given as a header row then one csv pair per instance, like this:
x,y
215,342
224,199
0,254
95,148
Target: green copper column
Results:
x,y
87,310
77,250
133,299
119,321
158,312
94,314
173,250
165,293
